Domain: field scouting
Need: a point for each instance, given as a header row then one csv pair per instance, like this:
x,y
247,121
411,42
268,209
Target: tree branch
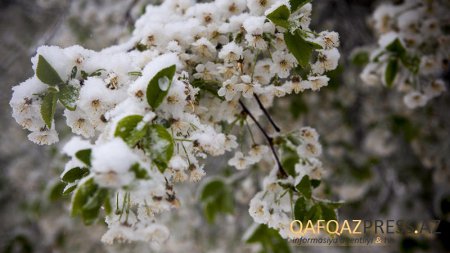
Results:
x,y
266,113
268,138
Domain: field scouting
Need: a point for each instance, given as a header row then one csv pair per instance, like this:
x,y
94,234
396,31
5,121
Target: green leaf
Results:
x,y
87,201
73,73
328,213
139,172
107,205
315,183
91,208
280,16
97,72
360,58
48,107
159,86
46,73
289,159
56,190
125,128
396,47
68,96
81,196
304,187
159,145
289,163
135,73
270,239
69,188
297,4
299,47
96,200
216,198
300,209
298,107
403,125
84,74
136,135
74,174
391,72
412,63
84,155
314,213
208,86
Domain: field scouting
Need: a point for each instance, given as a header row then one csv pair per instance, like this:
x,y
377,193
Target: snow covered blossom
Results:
x,y
147,113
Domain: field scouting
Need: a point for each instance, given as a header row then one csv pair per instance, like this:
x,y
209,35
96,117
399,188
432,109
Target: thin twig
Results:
x,y
266,113
269,139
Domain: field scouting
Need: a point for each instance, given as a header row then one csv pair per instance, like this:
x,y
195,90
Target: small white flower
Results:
x,y
231,7
230,142
329,40
327,60
257,152
309,149
258,7
430,65
229,89
45,137
239,161
204,48
436,88
318,82
254,25
196,174
262,72
179,176
227,70
178,163
231,52
79,123
383,17
370,74
283,63
259,211
256,41
206,71
415,99
309,134
248,87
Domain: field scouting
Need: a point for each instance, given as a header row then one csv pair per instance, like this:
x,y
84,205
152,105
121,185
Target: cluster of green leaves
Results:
x,y
295,39
154,139
216,197
270,240
306,207
88,197
398,55
309,210
401,125
290,156
58,90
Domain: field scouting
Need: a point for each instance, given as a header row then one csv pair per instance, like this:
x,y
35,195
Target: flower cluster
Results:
x,y
274,205
413,49
152,109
